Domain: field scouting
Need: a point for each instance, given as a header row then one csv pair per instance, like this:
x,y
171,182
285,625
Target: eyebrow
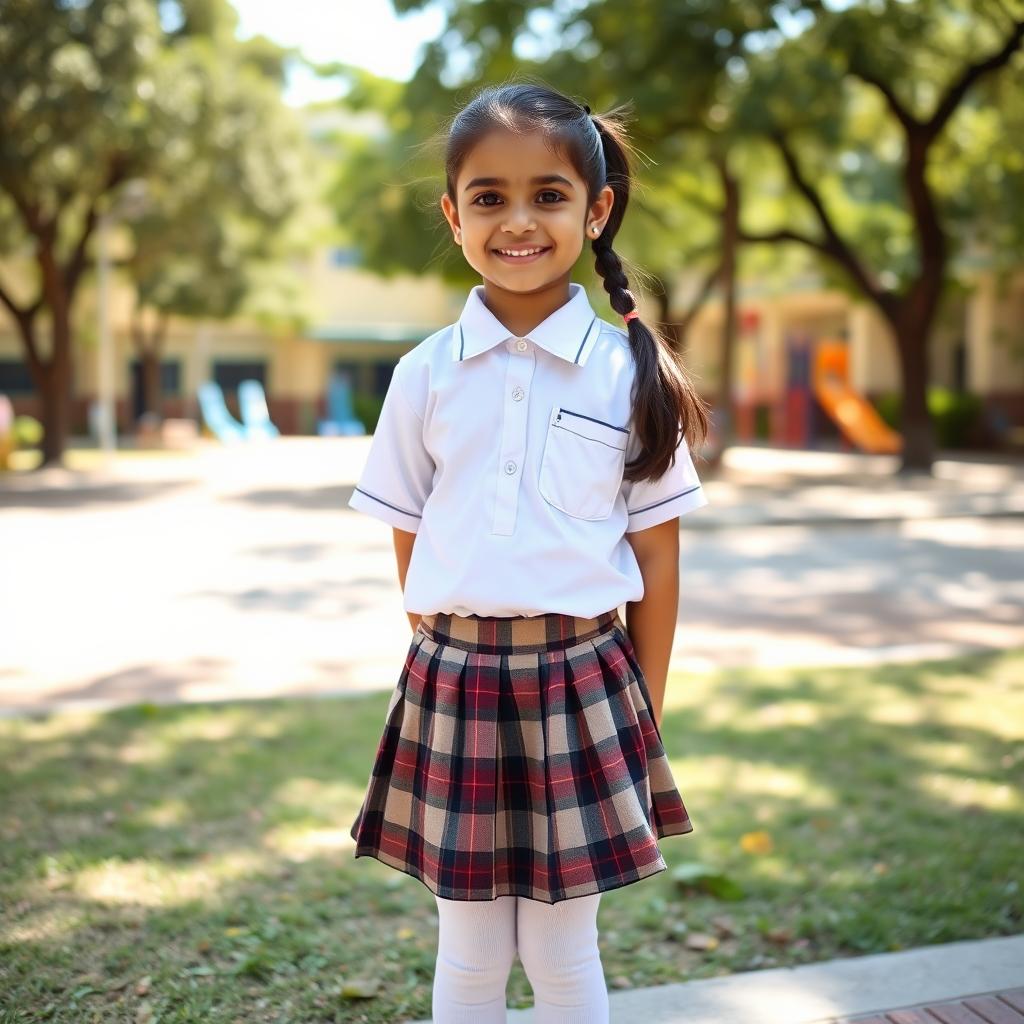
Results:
x,y
543,179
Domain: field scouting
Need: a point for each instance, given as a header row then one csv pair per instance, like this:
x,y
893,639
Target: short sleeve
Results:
x,y
678,491
398,474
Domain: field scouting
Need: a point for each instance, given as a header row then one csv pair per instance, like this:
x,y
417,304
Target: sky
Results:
x,y
366,33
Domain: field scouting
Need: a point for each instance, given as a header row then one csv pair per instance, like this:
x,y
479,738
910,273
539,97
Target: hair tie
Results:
x,y
629,316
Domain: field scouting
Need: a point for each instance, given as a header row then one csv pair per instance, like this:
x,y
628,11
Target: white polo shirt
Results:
x,y
505,457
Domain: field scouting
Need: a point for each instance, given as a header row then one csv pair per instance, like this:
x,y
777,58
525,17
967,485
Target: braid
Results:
x,y
609,267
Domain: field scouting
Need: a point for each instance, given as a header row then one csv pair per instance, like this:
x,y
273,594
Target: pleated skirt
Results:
x,y
520,756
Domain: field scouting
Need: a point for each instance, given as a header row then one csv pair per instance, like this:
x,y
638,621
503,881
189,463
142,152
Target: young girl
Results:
x,y
539,458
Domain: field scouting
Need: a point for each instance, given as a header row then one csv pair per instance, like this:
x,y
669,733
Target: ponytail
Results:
x,y
666,405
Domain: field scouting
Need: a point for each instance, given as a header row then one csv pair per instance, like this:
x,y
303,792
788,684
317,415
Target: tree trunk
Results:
x,y
667,326
723,412
151,381
53,383
916,424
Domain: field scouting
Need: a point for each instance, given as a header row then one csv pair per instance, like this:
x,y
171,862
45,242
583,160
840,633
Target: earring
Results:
x,y
595,228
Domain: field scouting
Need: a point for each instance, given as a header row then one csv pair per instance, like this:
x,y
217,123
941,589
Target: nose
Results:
x,y
518,218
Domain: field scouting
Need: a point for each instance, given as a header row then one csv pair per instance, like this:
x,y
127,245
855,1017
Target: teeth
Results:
x,y
519,252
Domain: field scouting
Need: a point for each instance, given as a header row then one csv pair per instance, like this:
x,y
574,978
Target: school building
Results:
x,y
363,324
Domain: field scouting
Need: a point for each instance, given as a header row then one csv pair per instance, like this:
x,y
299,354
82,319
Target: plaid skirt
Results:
x,y
520,756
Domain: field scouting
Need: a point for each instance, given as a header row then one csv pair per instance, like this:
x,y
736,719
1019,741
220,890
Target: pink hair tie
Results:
x,y
629,316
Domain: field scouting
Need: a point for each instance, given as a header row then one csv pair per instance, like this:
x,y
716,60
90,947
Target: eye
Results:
x,y
559,198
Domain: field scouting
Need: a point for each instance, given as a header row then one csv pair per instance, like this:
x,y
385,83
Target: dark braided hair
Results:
x,y
665,403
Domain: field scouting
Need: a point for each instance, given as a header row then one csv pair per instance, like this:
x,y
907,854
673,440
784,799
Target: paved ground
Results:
x,y
241,572
985,975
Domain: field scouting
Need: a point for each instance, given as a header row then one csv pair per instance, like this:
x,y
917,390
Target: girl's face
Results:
x,y
513,193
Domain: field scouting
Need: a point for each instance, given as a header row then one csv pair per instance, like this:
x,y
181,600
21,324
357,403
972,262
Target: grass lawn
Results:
x,y
193,864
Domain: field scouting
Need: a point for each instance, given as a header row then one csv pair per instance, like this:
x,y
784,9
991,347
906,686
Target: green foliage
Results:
x,y
173,102
27,431
367,409
722,79
954,414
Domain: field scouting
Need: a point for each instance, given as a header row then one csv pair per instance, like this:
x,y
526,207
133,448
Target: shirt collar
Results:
x,y
569,332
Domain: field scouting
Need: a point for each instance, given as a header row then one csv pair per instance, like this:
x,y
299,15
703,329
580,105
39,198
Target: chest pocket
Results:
x,y
582,464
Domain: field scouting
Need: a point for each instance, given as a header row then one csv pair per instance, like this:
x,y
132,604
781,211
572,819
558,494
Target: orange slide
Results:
x,y
855,416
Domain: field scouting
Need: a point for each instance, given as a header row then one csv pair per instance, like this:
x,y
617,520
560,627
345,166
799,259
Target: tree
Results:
x,y
93,96
810,98
234,208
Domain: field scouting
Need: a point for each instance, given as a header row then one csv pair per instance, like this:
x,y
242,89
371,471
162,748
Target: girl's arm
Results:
x,y
651,621
404,541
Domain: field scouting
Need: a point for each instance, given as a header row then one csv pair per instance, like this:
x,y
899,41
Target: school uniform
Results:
x,y
519,754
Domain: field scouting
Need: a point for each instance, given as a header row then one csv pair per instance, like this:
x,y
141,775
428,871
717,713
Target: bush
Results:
x,y
367,408
28,431
955,415
763,422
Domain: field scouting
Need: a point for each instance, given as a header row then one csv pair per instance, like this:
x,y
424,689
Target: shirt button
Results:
x,y
521,344
517,394
510,467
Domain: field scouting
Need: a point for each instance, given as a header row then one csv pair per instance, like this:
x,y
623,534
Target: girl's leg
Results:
x,y
558,949
476,948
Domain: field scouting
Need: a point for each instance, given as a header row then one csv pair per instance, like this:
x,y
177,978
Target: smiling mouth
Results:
x,y
522,255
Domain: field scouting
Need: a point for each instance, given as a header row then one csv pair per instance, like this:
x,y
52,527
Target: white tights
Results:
x,y
557,945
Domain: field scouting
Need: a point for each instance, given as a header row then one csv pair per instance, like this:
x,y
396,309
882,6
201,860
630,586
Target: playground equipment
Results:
x,y
341,419
7,439
215,414
855,416
253,403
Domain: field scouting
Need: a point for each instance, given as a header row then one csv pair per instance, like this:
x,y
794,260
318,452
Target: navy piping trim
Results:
x,y
586,334
583,416
646,508
614,447
404,512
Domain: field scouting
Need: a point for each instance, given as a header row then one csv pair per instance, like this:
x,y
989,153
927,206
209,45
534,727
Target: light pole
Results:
x,y
130,201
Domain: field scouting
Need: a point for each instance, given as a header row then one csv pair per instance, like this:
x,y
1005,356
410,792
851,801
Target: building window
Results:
x,y
382,373
351,369
14,377
230,374
170,375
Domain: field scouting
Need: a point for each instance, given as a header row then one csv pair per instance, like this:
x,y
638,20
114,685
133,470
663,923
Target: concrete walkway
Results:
x,y
240,572
756,485
829,991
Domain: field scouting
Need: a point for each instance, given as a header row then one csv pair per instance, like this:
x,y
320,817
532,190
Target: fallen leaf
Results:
x,y
359,988
759,841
